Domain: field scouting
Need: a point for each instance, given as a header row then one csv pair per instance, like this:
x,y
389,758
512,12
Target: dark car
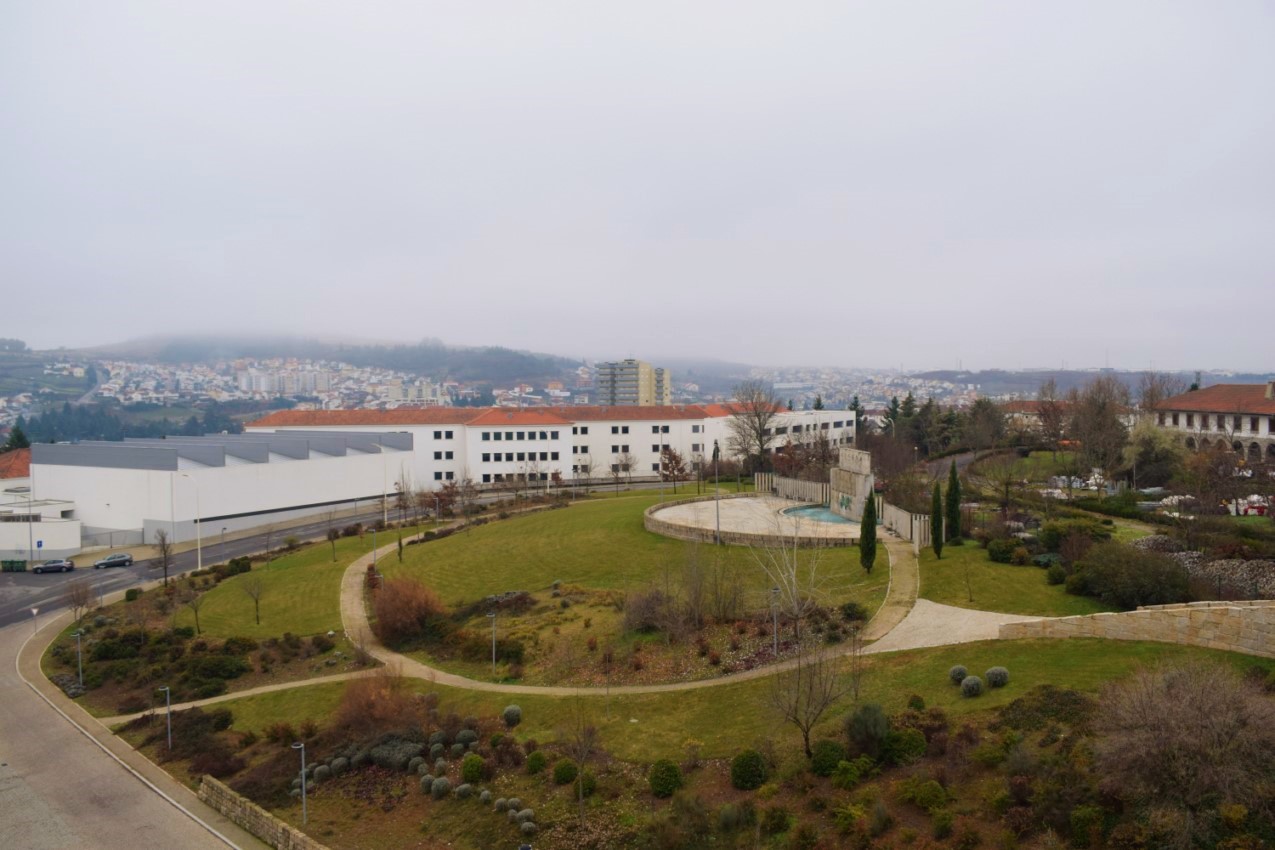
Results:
x,y
60,565
123,559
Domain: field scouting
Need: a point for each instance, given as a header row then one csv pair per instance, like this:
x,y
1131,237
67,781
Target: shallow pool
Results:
x,y
815,513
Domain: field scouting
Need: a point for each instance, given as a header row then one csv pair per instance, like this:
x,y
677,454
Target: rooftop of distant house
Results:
x,y
15,464
1225,398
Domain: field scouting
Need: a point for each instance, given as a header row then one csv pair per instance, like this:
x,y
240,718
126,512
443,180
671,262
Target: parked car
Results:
x,y
123,559
59,565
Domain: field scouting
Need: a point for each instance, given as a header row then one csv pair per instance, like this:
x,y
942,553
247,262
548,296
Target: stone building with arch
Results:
x,y
1235,417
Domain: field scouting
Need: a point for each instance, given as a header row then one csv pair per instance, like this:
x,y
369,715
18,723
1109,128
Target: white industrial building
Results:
x,y
123,492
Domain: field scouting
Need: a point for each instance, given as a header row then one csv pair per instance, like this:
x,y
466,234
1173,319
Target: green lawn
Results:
x,y
996,587
1041,466
301,593
598,544
645,727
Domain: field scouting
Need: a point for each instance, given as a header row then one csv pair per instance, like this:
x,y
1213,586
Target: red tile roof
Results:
x,y
526,416
621,412
402,416
561,415
15,464
1225,398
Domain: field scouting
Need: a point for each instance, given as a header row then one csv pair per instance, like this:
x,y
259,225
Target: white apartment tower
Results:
x,y
633,383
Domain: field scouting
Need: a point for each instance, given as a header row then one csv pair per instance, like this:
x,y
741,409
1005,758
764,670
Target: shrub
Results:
x,y
1001,550
1020,556
665,778
427,783
586,784
748,770
471,769
525,816
132,594
957,674
502,804
564,771
340,765
408,610
826,756
322,643
464,790
437,751
528,827
1086,826
1045,560
916,702
466,737
1054,532
375,703
458,750
440,788
997,677
867,729
415,765
1056,574
853,612
904,746
1128,577
942,824
775,820
536,762
512,715
971,686
850,773
322,773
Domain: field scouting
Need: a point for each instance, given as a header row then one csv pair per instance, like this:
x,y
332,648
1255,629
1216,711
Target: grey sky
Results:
x,y
844,183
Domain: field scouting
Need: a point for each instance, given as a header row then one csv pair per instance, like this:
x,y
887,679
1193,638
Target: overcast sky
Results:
x,y
851,184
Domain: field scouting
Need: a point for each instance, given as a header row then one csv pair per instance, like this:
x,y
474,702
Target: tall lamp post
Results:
x,y
305,815
79,656
717,494
35,620
168,705
223,539
199,527
491,615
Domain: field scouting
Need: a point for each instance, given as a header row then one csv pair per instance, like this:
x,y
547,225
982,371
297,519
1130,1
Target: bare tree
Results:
x,y
254,587
333,535
858,661
1097,412
725,589
796,573
78,596
695,586
1155,387
752,424
580,739
1001,477
467,495
164,552
269,533
672,466
804,692
194,600
1053,417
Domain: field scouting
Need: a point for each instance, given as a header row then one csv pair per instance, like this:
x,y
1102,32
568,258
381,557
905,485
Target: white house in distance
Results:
x,y
1238,417
491,446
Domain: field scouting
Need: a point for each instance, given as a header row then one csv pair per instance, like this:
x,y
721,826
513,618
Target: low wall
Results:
x,y
696,534
909,526
1247,627
817,492
255,819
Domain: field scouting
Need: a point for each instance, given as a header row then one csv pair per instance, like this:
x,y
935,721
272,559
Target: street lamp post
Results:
x,y
436,503
199,528
35,620
717,495
79,656
491,615
223,540
305,814
774,611
168,704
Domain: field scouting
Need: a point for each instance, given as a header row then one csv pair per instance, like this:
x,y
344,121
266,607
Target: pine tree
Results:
x,y
17,440
953,504
818,402
936,521
868,534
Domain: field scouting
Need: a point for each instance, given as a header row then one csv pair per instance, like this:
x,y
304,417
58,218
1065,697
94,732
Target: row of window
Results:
x,y
444,435
1237,422
444,476
443,456
500,478
803,429
510,436
508,457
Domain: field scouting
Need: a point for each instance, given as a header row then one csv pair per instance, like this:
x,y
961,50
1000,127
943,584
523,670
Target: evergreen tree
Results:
x,y
17,439
953,504
908,408
892,415
818,402
868,534
936,521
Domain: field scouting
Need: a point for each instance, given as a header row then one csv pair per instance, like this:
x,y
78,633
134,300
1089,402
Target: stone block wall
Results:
x,y
255,819
1247,627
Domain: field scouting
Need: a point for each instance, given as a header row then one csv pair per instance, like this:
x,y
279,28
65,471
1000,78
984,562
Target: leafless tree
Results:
x,y
269,533
672,466
752,424
403,500
78,596
999,475
857,661
164,552
254,587
798,575
194,600
1053,416
695,586
1181,738
332,536
580,739
1097,412
804,692
1155,387
725,589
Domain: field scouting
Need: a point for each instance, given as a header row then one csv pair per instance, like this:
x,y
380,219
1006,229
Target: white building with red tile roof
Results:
x,y
1237,417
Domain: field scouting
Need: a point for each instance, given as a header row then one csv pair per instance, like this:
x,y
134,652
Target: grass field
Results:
x,y
302,592
598,544
646,727
1041,466
996,587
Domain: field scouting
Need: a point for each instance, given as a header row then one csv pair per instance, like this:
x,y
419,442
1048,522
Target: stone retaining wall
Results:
x,y
255,819
731,538
815,492
1247,627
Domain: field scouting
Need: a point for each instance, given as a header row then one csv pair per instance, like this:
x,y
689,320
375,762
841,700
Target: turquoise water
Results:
x,y
815,513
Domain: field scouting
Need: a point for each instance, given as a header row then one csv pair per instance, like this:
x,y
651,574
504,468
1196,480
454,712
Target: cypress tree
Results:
x,y
953,504
936,521
868,533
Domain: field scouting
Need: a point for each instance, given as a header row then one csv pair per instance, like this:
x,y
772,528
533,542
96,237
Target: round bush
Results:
x,y
322,773
485,797
440,766
827,754
414,765
427,783
471,769
957,674
458,750
1056,574
971,686
748,770
511,815
526,815
916,702
515,803
665,778
502,804
586,784
512,715
528,828
536,762
564,771
440,788
997,677
464,790
437,751
439,737
466,737
340,765
904,746
423,768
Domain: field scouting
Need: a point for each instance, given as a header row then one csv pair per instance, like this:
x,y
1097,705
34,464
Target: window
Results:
x,y
655,467
1252,424
486,435
783,430
498,436
438,435
449,434
655,429
838,424
544,435
438,476
486,457
1190,420
1235,422
1175,420
545,455
1160,419
695,466
625,448
486,477
553,455
531,435
615,450
575,430
584,467
522,435
615,429
823,426
449,455
449,475
655,447
438,455
765,432
663,429
695,429
522,456
584,429
695,447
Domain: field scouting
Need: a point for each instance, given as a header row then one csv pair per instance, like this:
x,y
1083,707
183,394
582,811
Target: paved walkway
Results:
x,y
900,595
932,624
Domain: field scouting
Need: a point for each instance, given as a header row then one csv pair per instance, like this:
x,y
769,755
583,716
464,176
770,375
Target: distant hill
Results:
x,y
429,357
1027,383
